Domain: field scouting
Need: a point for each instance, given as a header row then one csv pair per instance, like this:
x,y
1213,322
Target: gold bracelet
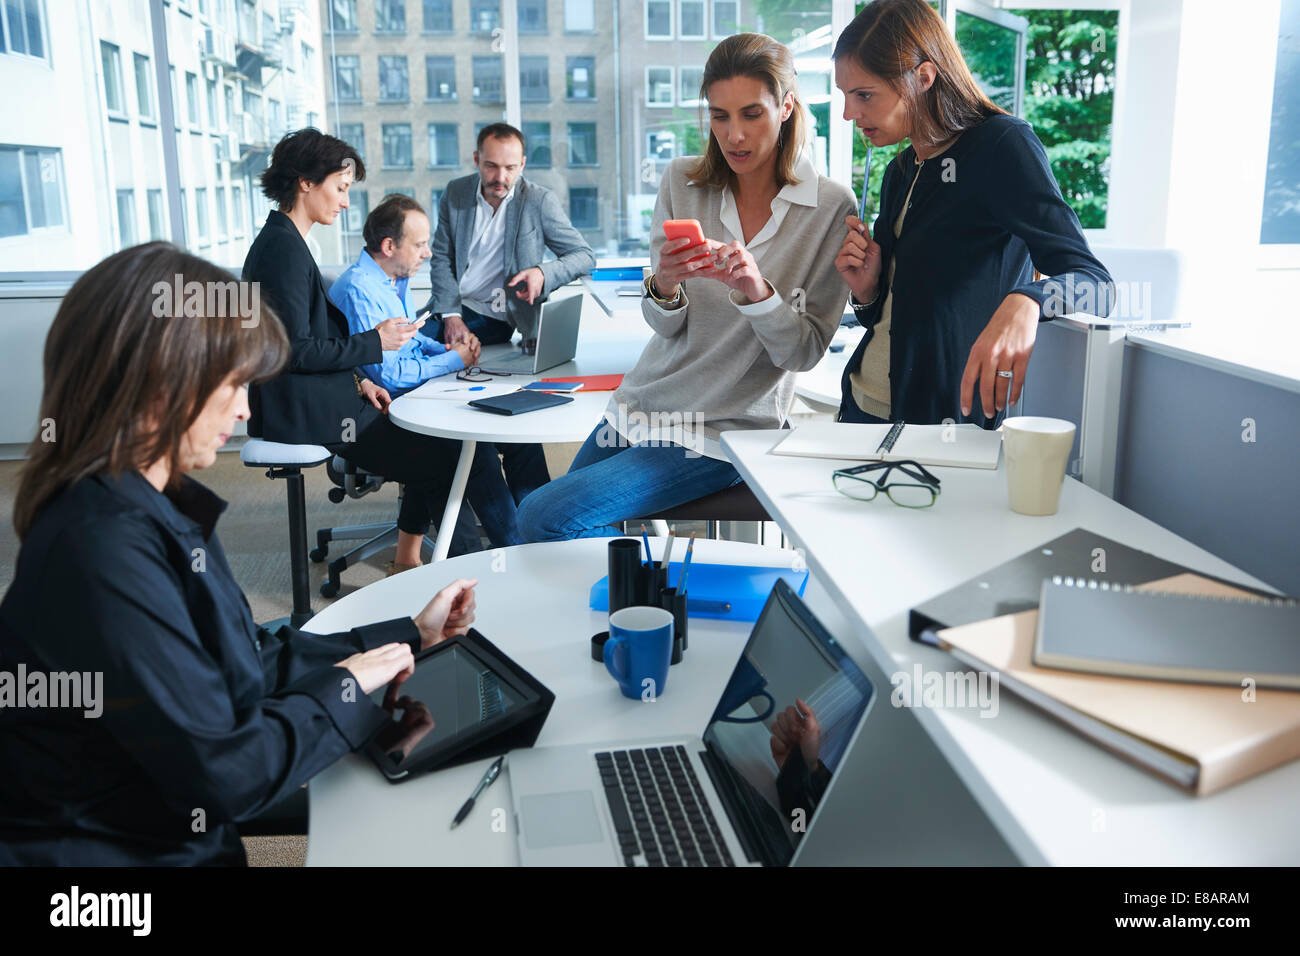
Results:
x,y
653,292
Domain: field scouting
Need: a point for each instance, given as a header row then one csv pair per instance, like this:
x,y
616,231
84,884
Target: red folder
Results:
x,y
591,383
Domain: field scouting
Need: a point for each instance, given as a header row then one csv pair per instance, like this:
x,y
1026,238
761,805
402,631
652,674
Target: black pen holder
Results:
x,y
675,604
627,585
654,578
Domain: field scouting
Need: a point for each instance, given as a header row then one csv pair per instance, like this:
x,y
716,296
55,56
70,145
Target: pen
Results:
x,y
492,773
866,178
711,607
686,565
668,551
649,558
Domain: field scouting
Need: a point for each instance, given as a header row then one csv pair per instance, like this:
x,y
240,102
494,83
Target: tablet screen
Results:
x,y
450,693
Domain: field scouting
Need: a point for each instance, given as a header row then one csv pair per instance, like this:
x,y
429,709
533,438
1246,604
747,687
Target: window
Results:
x,y
237,201
532,16
440,77
689,79
659,19
343,16
444,145
538,137
220,196
584,212
582,144
274,119
580,16
126,218
254,126
309,64
192,98
347,79
31,190
534,85
201,214
659,86
394,81
401,190
390,16
437,16
213,123
726,18
484,15
397,145
157,220
144,88
580,77
690,22
22,27
487,79
1280,223
435,200
185,217
661,145
354,134
112,64
354,217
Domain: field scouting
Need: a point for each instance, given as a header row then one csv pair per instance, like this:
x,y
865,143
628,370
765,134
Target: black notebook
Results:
x,y
517,403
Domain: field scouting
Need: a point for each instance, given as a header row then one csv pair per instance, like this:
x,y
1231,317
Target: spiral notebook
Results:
x,y
956,446
1105,628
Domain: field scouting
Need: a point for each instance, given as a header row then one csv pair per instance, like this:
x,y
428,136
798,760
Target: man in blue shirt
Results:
x,y
373,289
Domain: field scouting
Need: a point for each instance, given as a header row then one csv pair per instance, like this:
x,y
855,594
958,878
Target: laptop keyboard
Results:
x,y
661,817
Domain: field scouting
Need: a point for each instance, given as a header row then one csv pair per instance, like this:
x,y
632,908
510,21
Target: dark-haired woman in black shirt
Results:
x,y
944,281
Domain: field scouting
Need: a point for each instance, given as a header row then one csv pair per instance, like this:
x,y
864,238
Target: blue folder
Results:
x,y
731,592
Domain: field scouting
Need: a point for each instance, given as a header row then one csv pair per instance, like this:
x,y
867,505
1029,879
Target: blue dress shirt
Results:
x,y
367,295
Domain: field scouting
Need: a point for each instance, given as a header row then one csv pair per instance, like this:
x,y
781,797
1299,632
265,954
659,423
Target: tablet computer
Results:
x,y
466,700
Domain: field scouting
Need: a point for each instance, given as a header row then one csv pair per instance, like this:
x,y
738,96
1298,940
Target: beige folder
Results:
x,y
1201,737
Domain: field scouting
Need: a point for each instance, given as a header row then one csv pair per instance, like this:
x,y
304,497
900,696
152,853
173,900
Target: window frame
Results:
x,y
432,138
575,31
111,52
383,146
568,139
382,73
672,22
704,20
713,19
568,77
388,6
428,86
595,202
672,87
426,30
39,5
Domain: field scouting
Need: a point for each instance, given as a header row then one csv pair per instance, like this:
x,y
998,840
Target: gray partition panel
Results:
x,y
1054,379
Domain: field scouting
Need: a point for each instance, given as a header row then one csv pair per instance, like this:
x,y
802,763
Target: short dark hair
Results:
x,y
306,154
500,131
388,220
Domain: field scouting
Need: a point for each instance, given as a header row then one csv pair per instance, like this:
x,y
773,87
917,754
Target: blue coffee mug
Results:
x,y
639,649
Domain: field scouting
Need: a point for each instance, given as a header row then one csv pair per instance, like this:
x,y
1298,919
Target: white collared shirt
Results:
x,y
485,264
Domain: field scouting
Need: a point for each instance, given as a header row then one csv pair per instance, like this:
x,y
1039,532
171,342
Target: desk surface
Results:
x,y
1054,796
532,603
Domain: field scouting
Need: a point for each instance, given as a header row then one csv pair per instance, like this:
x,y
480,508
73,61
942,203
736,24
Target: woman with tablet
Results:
x,y
748,296
164,716
944,280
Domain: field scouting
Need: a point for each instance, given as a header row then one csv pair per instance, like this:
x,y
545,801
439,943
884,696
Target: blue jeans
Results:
x,y
611,481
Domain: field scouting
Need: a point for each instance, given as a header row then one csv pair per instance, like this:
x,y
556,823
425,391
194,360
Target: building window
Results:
x,y
144,88
274,119
690,22
484,15
220,196
394,80
726,18
538,136
308,63
126,218
661,145
201,213
659,86
347,79
192,98
354,134
582,144
343,16
237,202
580,16
111,60
397,145
390,16
354,217
213,123
487,79
440,77
532,16
584,210
157,220
1280,222
659,19
444,145
534,84
31,190
689,79
437,16
435,200
580,77
22,27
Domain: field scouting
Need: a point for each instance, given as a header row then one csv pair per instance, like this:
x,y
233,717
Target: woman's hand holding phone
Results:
x,y
680,259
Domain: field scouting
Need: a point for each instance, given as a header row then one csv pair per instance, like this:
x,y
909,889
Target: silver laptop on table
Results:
x,y
557,340
745,793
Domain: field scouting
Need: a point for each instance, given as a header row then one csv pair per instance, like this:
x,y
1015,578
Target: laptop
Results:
x,y
557,340
724,798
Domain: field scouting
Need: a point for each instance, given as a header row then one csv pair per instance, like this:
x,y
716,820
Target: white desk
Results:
x,y
601,351
532,603
1053,796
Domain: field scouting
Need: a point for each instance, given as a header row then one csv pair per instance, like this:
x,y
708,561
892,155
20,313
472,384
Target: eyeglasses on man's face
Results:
x,y
907,484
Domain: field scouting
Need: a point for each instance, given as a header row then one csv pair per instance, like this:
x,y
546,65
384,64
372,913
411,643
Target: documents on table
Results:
x,y
957,446
452,390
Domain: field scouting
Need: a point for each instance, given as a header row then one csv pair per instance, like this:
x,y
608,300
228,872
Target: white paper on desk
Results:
x,y
457,391
957,446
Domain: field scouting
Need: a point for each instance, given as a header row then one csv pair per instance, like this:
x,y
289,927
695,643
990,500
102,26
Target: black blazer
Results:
x,y
310,400
206,719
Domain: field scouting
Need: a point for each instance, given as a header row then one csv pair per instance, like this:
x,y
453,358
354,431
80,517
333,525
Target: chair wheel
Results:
x,y
328,588
317,554
337,495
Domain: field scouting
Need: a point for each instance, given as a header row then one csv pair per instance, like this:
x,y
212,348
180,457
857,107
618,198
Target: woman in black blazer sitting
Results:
x,y
188,718
322,397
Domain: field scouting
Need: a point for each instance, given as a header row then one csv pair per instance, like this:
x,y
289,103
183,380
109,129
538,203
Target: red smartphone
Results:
x,y
687,229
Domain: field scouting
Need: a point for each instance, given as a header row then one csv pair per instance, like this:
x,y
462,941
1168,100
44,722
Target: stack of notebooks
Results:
x,y
1190,677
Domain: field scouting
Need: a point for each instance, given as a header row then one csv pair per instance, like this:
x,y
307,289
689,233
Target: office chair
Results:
x,y
736,503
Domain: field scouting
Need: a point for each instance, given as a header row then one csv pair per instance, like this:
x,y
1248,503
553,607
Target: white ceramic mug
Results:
x,y
1036,450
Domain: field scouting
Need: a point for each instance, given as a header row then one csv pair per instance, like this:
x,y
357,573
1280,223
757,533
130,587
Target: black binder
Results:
x,y
517,403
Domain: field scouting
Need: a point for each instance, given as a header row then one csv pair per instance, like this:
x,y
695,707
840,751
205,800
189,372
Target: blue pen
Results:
x,y
646,538
686,565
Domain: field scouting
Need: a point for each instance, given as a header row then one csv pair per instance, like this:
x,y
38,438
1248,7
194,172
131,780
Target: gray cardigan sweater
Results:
x,y
718,362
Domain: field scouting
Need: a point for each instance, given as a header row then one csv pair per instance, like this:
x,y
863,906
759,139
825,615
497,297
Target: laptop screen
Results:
x,y
782,726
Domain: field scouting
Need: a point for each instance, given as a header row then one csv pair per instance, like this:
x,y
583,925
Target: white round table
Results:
x,y
533,604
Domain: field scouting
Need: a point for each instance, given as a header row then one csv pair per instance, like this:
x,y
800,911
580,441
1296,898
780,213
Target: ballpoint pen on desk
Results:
x,y
649,558
492,773
686,565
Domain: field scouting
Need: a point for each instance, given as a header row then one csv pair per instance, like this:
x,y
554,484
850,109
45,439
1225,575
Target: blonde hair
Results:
x,y
758,57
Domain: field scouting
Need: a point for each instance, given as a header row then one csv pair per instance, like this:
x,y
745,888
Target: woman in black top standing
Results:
x,y
944,281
